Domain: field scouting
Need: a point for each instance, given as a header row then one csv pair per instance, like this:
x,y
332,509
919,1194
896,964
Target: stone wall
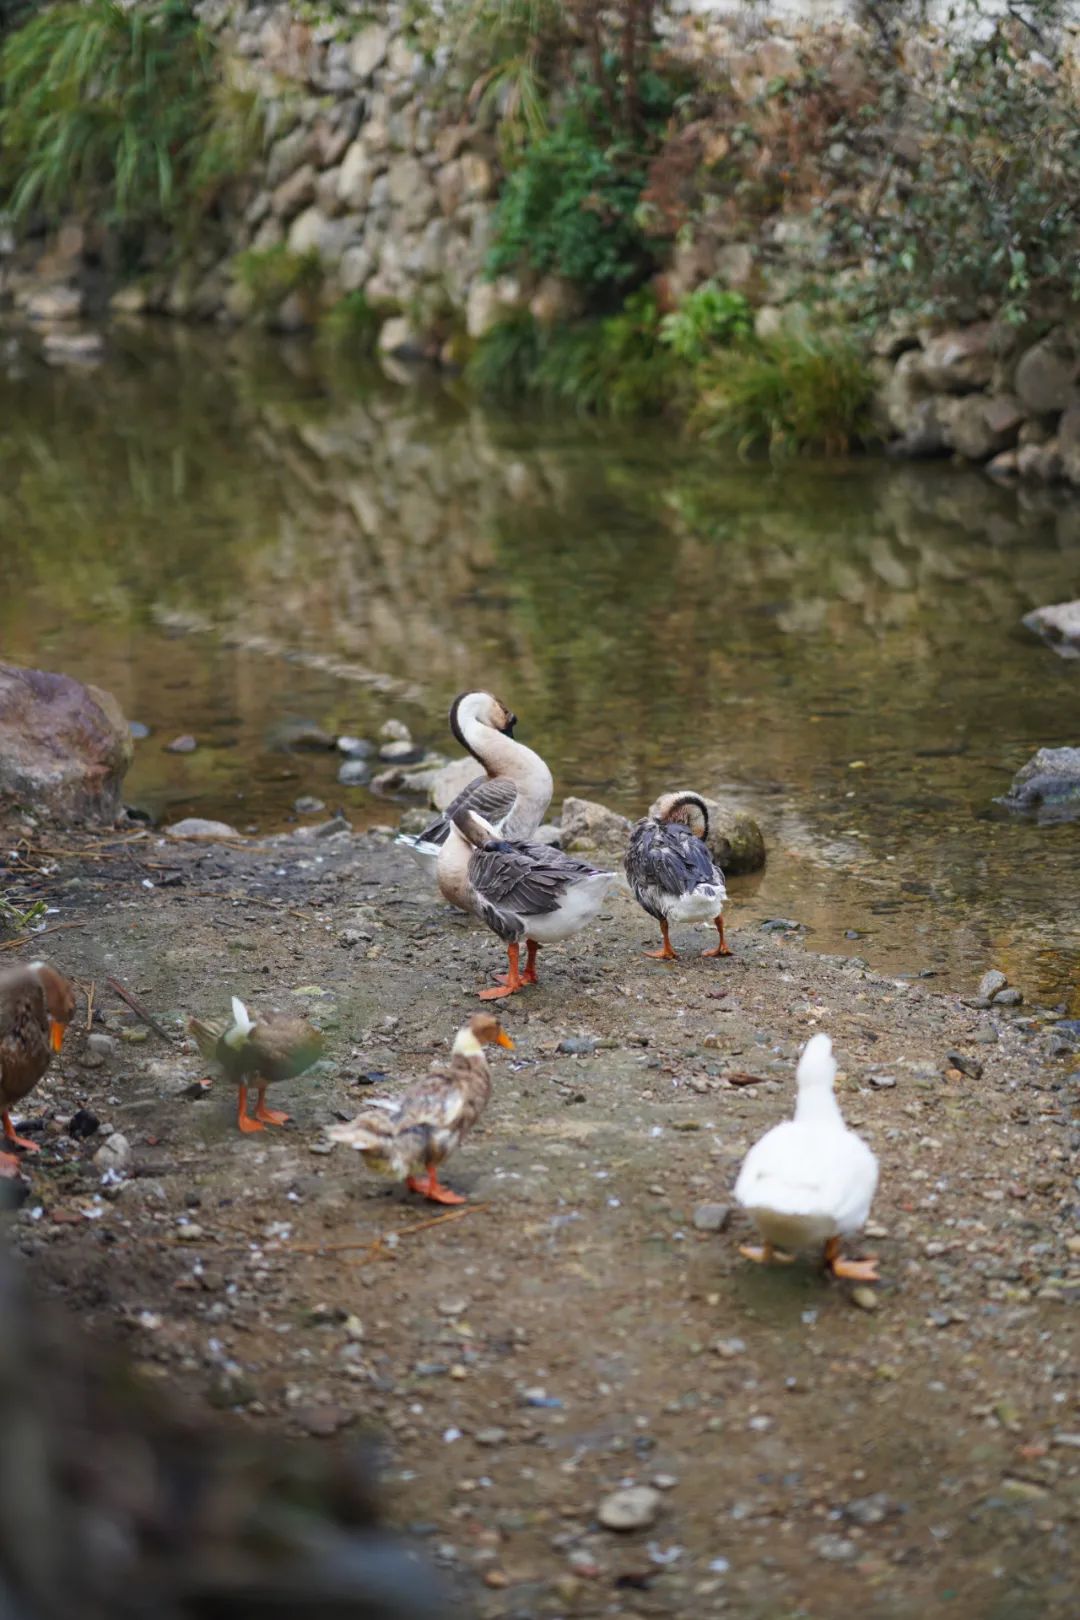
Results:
x,y
983,393
379,177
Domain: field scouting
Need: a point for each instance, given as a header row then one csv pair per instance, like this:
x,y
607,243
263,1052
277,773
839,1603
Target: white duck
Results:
x,y
671,872
810,1181
513,796
522,891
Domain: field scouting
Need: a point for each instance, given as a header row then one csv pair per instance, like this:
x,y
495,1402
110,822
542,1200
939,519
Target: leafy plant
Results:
x,y
793,392
119,110
569,207
980,214
709,318
18,921
505,361
273,274
514,47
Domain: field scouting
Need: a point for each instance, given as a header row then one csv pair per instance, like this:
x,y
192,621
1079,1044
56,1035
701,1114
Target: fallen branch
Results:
x,y
57,928
375,1243
140,1011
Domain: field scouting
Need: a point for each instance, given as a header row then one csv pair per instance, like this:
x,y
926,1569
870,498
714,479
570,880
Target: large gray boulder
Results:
x,y
64,747
589,828
1048,374
735,840
1048,786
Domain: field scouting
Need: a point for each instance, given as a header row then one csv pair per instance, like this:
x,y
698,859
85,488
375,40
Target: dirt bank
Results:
x,y
575,1331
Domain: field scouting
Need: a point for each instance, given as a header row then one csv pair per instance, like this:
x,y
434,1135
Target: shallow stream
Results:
x,y
236,535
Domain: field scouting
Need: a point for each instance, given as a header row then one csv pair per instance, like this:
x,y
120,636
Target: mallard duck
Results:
x,y
272,1047
36,1006
513,796
810,1181
410,1136
521,891
671,872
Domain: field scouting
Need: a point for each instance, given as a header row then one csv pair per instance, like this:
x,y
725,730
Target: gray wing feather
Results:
x,y
665,856
490,796
528,880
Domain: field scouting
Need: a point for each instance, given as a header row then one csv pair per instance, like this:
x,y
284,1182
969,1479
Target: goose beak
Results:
x,y
57,1031
504,1040
508,729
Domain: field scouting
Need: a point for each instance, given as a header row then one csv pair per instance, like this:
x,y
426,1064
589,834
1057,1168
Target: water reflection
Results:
x,y
837,644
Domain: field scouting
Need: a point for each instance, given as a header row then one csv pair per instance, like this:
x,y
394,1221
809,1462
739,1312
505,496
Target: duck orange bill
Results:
x,y
57,1031
504,1040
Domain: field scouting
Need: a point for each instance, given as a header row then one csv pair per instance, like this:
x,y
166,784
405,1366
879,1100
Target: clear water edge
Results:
x,y
837,645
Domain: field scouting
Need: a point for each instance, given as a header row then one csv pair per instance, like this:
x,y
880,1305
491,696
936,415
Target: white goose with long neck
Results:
x,y
472,722
513,795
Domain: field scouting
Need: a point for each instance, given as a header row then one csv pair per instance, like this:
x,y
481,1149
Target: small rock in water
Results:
x,y
490,1437
308,805
1009,998
577,1045
400,753
83,1124
354,773
712,1217
113,1154
395,731
991,983
780,925
865,1298
181,745
633,1509
138,730
197,827
355,747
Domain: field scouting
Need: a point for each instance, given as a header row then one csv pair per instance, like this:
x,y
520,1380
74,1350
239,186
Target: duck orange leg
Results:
x,y
723,949
16,1141
531,948
512,981
856,1270
431,1188
243,1118
764,1254
269,1116
9,1165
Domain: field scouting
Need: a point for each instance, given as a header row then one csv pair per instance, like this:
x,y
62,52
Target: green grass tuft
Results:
x,y
123,112
351,324
273,274
793,392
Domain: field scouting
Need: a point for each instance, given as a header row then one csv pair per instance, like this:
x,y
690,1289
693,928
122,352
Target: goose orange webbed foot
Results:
x,y
723,948
666,953
432,1189
511,981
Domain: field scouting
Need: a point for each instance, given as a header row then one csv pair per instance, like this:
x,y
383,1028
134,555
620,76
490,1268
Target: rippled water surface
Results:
x,y
233,537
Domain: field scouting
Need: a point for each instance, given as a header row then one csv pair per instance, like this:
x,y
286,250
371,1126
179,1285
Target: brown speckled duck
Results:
x,y
273,1046
36,1007
409,1137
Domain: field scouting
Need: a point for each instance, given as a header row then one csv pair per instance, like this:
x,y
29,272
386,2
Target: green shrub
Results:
x,y
123,112
505,362
790,393
273,274
708,318
569,207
